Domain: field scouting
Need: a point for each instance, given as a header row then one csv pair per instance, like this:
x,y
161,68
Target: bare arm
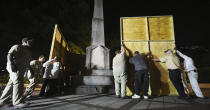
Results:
x,y
156,60
122,49
11,62
47,62
181,54
10,57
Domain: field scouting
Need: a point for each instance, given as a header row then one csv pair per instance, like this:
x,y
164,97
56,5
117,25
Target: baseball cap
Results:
x,y
168,50
26,39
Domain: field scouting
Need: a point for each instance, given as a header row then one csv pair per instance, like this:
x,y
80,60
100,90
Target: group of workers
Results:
x,y
139,61
20,64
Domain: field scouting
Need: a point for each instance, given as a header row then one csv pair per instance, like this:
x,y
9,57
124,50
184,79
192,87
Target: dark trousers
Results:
x,y
50,84
175,77
44,85
141,76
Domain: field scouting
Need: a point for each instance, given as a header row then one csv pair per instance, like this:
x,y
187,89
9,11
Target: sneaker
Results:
x,y
21,105
146,97
136,96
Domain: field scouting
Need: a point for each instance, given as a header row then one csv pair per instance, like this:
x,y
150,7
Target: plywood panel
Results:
x,y
142,47
135,28
159,73
158,38
161,28
59,46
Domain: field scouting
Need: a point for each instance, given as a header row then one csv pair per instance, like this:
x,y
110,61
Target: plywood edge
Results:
x,y
53,42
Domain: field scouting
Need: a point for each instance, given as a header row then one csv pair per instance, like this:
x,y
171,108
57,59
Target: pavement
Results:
x,y
111,102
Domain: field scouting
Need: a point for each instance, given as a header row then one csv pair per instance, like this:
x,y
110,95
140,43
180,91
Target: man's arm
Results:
x,y
156,60
10,57
122,49
12,62
163,59
32,72
47,62
148,55
181,54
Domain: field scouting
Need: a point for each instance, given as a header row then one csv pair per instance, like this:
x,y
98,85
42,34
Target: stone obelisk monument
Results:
x,y
97,55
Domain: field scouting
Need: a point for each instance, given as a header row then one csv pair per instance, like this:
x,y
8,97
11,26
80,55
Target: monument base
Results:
x,y
99,77
87,89
97,80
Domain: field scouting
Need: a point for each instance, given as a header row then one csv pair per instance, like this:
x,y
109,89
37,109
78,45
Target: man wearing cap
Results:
x,y
33,74
18,60
141,74
120,77
191,73
173,64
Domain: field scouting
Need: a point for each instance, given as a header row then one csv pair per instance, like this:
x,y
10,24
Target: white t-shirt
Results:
x,y
52,70
119,63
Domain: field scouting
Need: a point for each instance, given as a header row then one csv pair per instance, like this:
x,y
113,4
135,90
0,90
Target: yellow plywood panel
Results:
x,y
158,38
161,28
142,47
159,76
135,28
59,46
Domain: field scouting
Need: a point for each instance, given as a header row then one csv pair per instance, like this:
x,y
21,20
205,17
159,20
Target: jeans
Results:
x,y
141,76
46,83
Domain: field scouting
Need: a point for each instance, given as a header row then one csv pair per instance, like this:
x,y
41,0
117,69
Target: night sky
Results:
x,y
191,18
37,18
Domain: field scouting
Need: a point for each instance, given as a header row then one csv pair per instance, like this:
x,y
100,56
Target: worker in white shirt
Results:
x,y
191,73
120,77
52,71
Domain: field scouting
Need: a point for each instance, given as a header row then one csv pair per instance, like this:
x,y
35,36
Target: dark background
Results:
x,y
36,19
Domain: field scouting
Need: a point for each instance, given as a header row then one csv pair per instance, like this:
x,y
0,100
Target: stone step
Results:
x,y
98,80
104,72
93,89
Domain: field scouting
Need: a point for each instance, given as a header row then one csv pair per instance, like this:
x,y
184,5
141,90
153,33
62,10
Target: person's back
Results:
x,y
139,62
119,62
120,77
36,66
55,71
48,67
22,56
141,74
171,60
188,61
